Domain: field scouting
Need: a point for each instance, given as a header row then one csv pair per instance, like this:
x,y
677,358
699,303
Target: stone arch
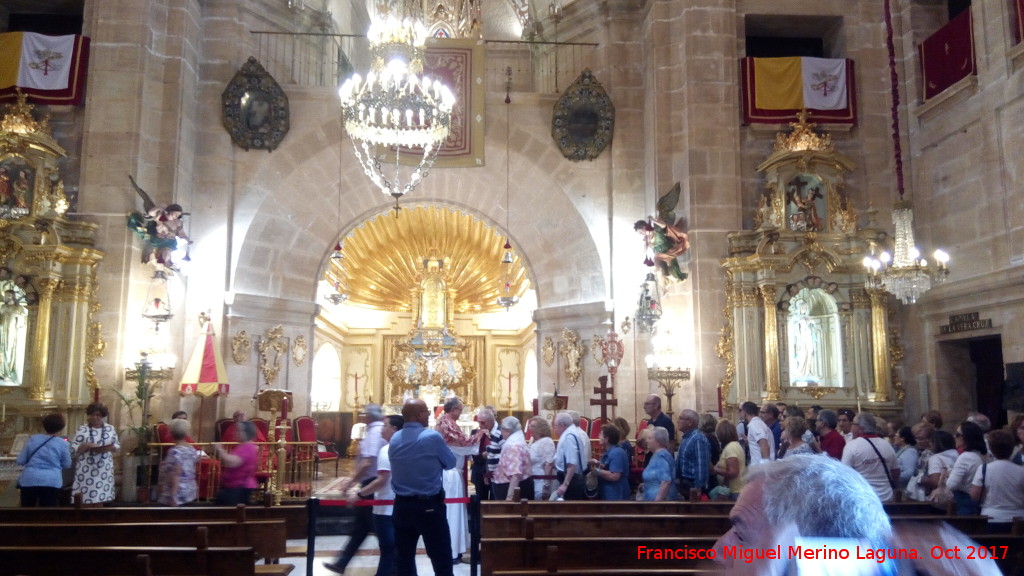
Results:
x,y
282,244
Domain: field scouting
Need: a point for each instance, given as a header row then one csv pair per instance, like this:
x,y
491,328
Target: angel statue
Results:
x,y
161,226
664,236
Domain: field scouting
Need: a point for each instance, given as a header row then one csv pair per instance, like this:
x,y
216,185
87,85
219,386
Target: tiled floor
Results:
x,y
365,561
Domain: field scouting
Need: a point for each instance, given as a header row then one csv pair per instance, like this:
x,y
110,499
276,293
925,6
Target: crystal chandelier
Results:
x,y
394,109
507,298
904,273
648,310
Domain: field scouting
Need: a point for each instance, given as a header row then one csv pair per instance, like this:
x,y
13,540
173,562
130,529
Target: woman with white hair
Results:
x,y
659,476
178,468
514,466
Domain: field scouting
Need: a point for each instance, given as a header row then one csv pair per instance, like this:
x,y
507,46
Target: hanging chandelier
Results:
x,y
507,298
903,273
648,310
393,109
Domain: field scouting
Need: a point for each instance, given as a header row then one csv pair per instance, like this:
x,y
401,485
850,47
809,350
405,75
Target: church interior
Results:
x,y
208,219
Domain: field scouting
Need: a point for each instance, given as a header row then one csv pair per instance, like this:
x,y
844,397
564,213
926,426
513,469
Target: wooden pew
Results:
x,y
598,525
122,560
614,550
628,507
295,517
266,537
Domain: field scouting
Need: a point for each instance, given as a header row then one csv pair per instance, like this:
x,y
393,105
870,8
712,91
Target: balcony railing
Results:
x,y
313,59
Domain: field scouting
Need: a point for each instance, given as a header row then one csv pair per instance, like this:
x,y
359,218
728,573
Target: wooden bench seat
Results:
x,y
123,560
597,525
266,537
295,517
630,507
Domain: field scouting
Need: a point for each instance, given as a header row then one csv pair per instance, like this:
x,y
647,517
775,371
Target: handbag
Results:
x,y
591,481
942,494
914,489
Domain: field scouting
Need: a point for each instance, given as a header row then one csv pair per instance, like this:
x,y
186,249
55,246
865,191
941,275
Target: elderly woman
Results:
x,y
970,442
707,424
659,475
906,454
999,485
793,430
732,464
624,430
45,456
613,468
943,456
542,457
514,466
178,468
238,479
93,448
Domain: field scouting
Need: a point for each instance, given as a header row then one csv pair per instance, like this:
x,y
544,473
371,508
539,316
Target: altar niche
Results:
x,y
800,324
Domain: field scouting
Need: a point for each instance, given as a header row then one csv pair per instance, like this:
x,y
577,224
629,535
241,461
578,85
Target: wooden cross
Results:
x,y
604,402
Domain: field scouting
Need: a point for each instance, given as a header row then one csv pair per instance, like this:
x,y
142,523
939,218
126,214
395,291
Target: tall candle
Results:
x,y
284,407
3,417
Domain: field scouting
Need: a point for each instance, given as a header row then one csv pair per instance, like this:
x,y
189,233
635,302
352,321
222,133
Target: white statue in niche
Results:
x,y
815,345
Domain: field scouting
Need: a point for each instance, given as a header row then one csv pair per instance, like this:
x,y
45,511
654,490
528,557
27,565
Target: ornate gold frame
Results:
x,y
583,120
768,263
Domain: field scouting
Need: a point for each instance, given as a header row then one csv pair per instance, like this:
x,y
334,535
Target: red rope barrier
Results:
x,y
382,502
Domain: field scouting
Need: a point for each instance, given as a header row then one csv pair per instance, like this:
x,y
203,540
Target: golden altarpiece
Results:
x,y
47,278
801,326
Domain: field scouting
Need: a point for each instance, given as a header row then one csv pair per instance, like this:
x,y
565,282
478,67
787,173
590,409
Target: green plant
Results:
x,y
136,403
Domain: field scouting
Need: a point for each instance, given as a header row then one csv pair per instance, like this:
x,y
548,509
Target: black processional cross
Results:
x,y
604,402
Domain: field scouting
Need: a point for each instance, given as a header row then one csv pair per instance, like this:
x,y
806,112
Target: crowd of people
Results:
x,y
699,456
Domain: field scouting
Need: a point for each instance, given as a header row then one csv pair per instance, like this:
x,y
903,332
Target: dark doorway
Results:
x,y
987,356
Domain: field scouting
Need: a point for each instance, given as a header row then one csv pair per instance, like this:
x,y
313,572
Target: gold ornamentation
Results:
x,y
94,348
572,353
18,118
771,343
897,353
595,350
548,351
299,350
725,348
803,137
271,347
844,217
818,392
241,347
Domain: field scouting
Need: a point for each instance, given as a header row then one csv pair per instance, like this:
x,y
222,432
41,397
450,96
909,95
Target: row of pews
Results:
x,y
533,538
115,541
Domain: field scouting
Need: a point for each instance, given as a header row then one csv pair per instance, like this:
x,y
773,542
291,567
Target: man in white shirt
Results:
x,y
872,456
571,457
760,441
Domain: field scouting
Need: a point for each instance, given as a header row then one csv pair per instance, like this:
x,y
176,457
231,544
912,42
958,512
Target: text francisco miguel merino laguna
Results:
x,y
748,555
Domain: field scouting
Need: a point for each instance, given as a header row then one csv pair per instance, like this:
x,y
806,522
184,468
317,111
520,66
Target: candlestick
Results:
x,y
3,417
284,408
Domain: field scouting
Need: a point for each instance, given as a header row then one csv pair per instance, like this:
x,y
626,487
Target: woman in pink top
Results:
x,y
238,479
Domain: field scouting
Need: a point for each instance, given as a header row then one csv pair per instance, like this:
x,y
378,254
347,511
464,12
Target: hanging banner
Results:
x,y
776,89
49,69
947,56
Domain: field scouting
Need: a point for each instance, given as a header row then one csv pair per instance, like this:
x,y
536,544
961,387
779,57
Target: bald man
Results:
x,y
418,456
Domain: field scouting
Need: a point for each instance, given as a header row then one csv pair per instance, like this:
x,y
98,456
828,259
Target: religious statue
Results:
x,y
161,226
664,236
806,346
13,329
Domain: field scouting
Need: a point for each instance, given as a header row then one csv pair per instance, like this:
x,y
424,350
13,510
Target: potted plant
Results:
x,y
136,403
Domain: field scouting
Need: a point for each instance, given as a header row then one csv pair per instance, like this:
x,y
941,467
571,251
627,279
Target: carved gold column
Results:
x,y
771,343
880,343
41,344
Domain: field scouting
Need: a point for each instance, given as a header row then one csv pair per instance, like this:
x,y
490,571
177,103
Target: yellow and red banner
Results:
x,y
205,374
49,69
776,89
947,56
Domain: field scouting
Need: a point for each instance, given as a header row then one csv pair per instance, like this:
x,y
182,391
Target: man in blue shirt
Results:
x,y
694,456
418,455
652,406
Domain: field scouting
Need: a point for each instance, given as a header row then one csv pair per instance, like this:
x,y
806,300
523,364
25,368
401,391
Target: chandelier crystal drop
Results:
x,y
393,108
904,273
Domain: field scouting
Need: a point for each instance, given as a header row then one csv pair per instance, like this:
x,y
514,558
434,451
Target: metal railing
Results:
x,y
314,59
